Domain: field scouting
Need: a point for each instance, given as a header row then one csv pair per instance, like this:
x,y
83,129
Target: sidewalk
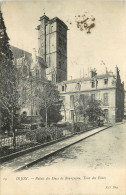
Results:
x,y
31,158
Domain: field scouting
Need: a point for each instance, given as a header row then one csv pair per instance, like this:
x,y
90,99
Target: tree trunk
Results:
x,y
12,129
46,119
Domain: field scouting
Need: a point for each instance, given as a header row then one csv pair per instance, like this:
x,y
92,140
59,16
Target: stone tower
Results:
x,y
52,42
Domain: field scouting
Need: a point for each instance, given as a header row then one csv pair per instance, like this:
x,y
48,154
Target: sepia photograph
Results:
x,y
63,97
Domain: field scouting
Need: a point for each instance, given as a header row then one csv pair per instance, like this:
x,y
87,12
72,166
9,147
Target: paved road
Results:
x,y
34,156
103,150
101,156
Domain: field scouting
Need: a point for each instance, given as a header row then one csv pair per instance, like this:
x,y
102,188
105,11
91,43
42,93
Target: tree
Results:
x,y
76,104
8,79
94,111
83,105
50,103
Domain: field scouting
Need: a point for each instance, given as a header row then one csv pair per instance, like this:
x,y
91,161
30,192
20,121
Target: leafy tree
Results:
x,y
94,111
76,103
8,79
53,113
50,103
83,105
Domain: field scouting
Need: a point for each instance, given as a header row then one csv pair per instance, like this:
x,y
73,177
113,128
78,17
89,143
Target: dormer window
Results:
x,y
63,88
78,86
105,81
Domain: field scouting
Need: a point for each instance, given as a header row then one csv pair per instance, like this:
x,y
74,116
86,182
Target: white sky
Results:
x,y
106,42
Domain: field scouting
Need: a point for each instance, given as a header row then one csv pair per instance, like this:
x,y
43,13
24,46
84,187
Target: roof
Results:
x,y
19,53
41,61
102,76
56,19
44,17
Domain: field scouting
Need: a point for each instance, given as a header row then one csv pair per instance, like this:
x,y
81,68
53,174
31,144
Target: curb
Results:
x,y
50,153
31,149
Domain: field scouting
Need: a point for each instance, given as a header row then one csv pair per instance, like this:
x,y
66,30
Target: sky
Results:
x,y
104,47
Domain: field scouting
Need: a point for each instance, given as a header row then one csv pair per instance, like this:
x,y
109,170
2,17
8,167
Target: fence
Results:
x,y
8,141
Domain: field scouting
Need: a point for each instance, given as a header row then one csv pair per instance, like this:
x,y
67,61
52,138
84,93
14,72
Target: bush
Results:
x,y
78,126
41,124
65,124
34,126
21,132
41,135
31,135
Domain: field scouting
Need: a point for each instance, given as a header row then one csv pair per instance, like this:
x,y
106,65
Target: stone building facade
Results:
x,y
52,47
106,87
31,74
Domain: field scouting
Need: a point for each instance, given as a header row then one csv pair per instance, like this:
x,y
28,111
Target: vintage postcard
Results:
x,y
63,97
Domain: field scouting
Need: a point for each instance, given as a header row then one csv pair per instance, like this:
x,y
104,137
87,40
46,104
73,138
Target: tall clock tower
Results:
x,y
52,42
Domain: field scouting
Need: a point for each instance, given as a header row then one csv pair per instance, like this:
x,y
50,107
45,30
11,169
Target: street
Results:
x,y
95,165
103,150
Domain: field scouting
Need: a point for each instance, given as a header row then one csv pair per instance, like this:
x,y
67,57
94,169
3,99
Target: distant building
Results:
x,y
31,74
106,87
52,43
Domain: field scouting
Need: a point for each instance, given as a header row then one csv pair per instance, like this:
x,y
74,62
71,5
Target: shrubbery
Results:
x,y
31,135
43,134
81,126
78,126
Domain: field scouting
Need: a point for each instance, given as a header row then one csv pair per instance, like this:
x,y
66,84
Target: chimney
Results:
x,y
93,72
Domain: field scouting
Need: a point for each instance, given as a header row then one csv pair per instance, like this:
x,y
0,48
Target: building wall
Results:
x,y
99,95
32,74
42,37
105,88
52,38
